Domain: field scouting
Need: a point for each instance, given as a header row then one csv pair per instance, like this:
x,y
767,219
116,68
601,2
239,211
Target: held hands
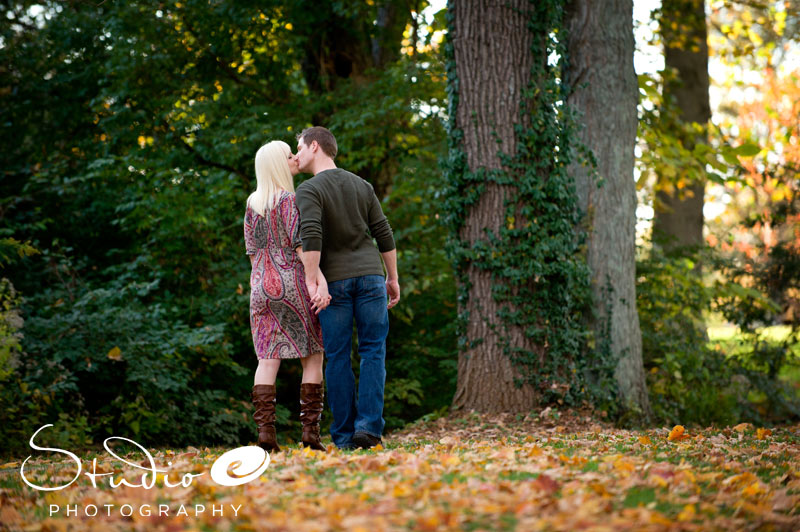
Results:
x,y
320,298
311,284
393,291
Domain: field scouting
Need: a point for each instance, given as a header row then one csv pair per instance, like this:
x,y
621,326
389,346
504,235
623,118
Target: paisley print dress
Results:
x,y
281,319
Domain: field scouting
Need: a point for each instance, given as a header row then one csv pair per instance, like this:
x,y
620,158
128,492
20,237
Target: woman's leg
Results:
x,y
311,401
264,399
312,369
267,371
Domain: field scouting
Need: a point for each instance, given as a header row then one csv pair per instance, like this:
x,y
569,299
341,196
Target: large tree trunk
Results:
x,y
605,94
493,58
679,212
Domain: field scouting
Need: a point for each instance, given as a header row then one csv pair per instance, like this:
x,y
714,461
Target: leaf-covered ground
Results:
x,y
469,473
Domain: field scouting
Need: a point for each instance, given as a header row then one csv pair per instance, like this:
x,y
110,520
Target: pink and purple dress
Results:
x,y
281,319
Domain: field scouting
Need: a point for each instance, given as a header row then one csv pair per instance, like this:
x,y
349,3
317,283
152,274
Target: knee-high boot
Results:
x,y
264,400
310,414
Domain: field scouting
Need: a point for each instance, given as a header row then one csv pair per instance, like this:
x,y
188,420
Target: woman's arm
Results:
x,y
319,285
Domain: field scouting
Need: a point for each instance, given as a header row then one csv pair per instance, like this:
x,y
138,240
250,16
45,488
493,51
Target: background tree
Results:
x,y
487,66
675,303
679,201
604,93
512,209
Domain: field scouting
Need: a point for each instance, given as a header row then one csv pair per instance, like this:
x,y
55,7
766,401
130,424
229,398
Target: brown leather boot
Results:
x,y
264,400
310,413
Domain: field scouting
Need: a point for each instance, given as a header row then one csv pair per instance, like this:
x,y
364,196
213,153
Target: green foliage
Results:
x,y
131,131
773,272
538,271
12,250
676,154
10,324
689,380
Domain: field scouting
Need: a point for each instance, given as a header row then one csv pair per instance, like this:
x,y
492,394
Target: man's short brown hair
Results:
x,y
324,138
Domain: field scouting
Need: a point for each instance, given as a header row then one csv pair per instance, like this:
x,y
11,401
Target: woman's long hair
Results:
x,y
272,176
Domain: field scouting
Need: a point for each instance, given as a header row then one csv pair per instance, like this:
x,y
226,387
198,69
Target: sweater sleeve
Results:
x,y
308,204
379,226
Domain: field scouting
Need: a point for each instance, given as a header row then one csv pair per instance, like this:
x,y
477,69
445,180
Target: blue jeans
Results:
x,y
363,299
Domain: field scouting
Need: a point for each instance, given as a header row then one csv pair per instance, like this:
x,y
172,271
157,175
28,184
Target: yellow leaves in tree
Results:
x,y
677,433
115,353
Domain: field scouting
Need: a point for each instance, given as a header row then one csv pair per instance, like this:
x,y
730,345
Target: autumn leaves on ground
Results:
x,y
545,472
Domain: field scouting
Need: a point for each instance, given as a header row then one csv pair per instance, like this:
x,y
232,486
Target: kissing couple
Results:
x,y
316,270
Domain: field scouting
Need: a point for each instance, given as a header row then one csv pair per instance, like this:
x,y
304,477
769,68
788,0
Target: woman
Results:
x,y
283,318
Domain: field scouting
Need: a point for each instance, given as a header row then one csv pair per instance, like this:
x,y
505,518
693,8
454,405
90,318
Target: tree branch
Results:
x,y
207,162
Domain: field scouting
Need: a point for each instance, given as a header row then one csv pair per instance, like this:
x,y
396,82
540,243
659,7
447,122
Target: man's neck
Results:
x,y
324,165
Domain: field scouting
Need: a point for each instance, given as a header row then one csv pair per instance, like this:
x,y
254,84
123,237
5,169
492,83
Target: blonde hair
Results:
x,y
272,176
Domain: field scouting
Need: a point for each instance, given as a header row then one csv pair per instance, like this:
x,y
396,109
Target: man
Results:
x,y
339,217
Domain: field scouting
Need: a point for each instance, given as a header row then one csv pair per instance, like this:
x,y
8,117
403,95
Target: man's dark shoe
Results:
x,y
365,441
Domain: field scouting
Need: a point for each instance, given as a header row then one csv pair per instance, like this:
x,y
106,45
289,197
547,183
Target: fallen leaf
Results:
x,y
677,433
546,484
688,513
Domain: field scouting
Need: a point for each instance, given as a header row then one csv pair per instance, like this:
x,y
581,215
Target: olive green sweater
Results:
x,y
339,216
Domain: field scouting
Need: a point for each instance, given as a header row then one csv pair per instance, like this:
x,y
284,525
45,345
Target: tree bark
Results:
x,y
493,58
605,94
679,213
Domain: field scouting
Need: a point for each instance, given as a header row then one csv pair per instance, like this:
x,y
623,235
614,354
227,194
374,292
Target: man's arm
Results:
x,y
379,227
392,281
381,231
310,209
315,280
